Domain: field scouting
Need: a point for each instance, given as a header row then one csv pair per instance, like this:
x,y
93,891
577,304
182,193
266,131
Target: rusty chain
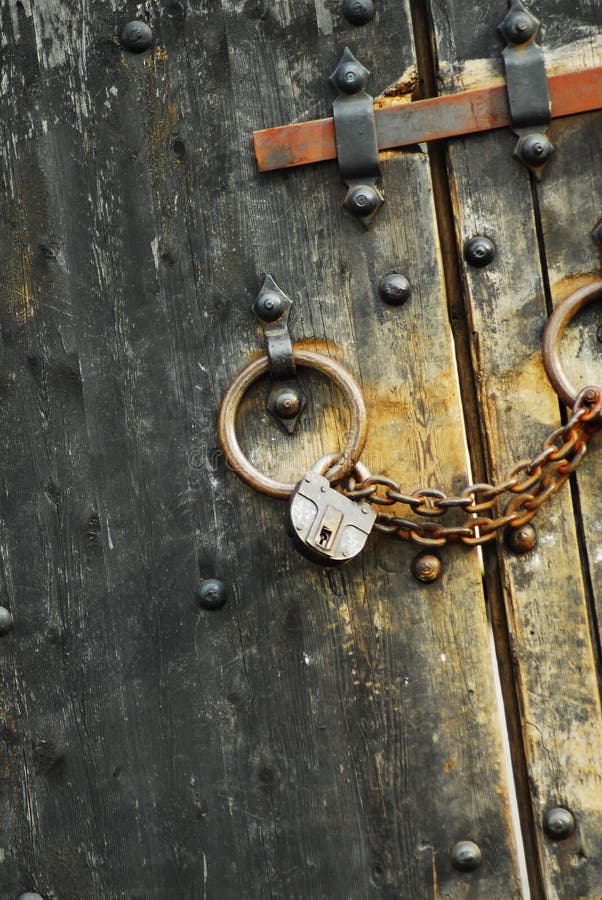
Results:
x,y
531,484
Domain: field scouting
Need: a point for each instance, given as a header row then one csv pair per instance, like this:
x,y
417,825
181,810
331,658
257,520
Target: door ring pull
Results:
x,y
328,525
309,359
552,336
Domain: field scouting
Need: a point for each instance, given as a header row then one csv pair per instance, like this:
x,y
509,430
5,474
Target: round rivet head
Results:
x,y
479,251
269,306
351,77
30,895
522,539
521,28
358,12
536,149
426,567
466,856
558,823
6,621
287,404
363,200
136,36
394,289
211,594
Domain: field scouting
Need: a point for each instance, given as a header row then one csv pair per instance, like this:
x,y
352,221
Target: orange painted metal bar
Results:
x,y
403,124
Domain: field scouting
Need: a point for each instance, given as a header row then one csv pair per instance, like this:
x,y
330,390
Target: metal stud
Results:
x,y
522,539
30,895
358,12
466,856
363,201
479,251
558,823
394,289
426,567
519,25
287,404
350,76
211,594
269,306
6,621
535,149
136,37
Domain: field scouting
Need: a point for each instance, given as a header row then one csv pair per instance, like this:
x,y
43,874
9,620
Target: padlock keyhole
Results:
x,y
324,538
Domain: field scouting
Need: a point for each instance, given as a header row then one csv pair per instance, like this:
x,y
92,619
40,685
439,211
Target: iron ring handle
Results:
x,y
226,422
552,336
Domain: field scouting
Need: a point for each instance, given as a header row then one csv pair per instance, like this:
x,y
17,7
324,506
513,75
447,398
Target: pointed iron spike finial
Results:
x,y
269,284
271,302
519,24
350,76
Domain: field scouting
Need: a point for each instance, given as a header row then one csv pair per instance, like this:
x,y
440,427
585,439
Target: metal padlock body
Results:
x,y
326,526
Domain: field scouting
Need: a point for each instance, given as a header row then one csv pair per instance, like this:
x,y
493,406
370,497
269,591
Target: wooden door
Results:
x,y
325,734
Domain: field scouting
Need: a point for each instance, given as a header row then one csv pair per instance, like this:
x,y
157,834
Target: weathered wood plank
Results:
x,y
571,207
546,597
324,734
373,641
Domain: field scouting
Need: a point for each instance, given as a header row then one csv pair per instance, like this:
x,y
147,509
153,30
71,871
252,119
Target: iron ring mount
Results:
x,y
309,359
552,336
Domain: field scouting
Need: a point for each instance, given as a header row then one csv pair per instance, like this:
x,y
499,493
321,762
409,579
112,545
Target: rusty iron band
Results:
x,y
226,423
400,124
552,336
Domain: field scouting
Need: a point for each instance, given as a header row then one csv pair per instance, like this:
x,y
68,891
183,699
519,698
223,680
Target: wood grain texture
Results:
x,y
325,735
548,593
570,204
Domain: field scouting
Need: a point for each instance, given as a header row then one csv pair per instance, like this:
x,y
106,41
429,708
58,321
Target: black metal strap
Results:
x,y
527,86
286,400
355,137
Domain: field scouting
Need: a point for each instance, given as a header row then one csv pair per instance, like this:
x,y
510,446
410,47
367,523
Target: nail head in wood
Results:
x,y
479,251
136,37
6,621
521,540
394,289
466,856
558,823
358,12
427,567
212,594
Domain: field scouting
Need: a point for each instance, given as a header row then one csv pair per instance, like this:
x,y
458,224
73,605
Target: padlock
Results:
x,y
326,526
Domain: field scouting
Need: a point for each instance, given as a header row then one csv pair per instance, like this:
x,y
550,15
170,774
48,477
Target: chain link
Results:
x,y
531,484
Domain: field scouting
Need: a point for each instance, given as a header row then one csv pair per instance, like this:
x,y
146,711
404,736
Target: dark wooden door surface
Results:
x,y
326,734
